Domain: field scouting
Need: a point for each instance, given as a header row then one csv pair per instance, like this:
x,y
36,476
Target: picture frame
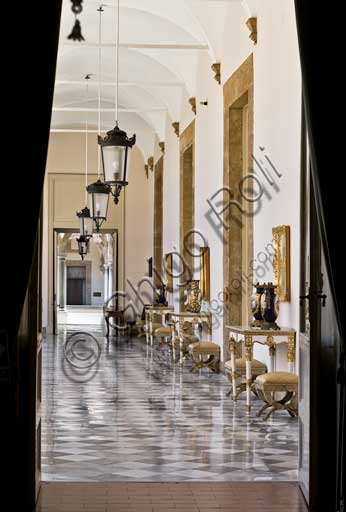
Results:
x,y
281,262
205,273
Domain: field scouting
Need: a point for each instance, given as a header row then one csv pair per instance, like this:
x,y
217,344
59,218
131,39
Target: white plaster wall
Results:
x,y
236,45
209,179
276,127
138,239
171,199
277,114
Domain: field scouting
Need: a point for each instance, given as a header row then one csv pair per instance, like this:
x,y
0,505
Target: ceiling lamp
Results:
x,y
85,220
98,195
116,144
98,192
83,246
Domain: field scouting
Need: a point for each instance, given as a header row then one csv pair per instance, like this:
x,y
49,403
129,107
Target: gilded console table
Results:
x,y
251,335
150,311
196,319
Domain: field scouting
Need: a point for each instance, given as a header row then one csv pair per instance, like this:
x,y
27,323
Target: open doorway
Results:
x,y
83,287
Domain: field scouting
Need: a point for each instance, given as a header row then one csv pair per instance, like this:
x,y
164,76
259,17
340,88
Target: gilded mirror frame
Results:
x,y
281,262
205,273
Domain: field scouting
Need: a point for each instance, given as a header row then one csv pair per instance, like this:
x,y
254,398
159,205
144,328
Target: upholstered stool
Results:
x,y
140,324
257,368
198,352
155,325
278,382
164,334
189,339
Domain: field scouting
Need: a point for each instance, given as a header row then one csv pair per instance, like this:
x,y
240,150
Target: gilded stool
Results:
x,y
140,324
205,354
278,382
257,368
155,326
165,334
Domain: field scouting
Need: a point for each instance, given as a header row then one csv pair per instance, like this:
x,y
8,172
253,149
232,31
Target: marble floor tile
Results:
x,y
135,416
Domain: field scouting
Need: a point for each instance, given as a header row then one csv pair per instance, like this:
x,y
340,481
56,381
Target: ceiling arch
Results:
x,y
160,43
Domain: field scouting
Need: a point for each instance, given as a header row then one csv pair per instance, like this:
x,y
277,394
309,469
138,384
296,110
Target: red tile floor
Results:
x,y
171,497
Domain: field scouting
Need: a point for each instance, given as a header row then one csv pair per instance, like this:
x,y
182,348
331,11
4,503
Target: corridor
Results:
x,y
135,417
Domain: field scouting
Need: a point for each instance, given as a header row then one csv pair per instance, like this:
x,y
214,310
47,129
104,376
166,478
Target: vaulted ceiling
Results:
x,y
159,45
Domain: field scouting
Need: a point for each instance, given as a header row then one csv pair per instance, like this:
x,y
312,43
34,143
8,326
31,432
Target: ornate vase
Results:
x,y
256,303
160,296
193,297
269,304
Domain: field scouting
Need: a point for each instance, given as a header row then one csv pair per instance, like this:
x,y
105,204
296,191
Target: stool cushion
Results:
x,y
240,364
277,378
163,331
204,346
190,338
155,326
188,327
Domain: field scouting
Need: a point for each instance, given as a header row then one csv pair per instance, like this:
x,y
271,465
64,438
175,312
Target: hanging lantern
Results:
x,y
115,154
115,146
85,222
98,195
83,246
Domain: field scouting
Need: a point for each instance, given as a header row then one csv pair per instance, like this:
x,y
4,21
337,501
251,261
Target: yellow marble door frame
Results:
x,y
187,202
238,235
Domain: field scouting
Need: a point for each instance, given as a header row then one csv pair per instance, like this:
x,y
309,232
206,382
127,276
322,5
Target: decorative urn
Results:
x,y
160,296
256,303
269,305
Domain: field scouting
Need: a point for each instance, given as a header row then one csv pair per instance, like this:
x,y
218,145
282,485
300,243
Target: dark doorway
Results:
x,y
76,285
76,292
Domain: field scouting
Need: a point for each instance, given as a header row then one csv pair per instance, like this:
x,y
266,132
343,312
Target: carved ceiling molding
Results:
x,y
216,67
162,147
251,24
192,102
151,163
176,128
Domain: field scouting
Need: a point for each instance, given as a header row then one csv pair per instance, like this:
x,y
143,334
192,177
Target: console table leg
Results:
x,y
248,359
234,370
291,342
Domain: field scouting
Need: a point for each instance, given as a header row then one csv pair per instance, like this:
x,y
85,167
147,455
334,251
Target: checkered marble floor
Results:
x,y
134,416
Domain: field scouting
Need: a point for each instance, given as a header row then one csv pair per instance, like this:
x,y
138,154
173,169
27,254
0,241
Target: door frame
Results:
x,y
321,493
113,232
